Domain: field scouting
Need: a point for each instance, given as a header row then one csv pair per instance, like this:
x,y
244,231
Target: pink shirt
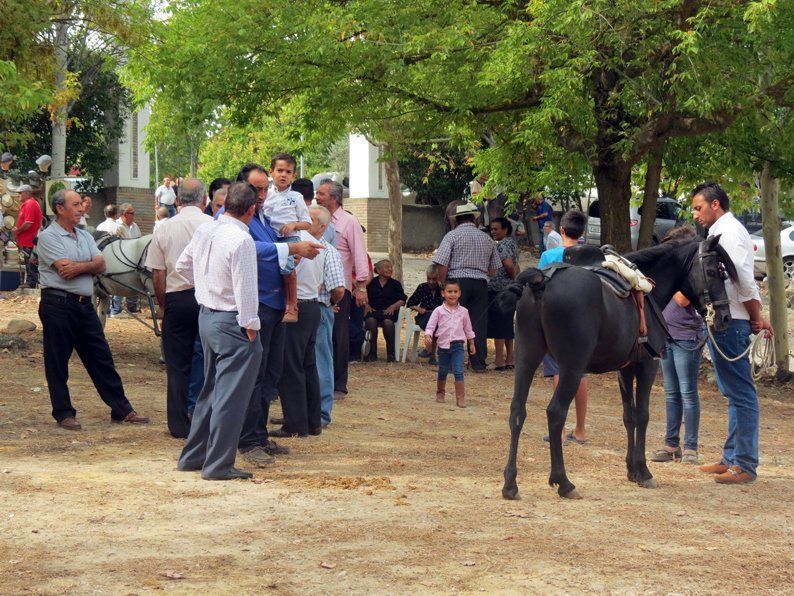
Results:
x,y
350,244
449,324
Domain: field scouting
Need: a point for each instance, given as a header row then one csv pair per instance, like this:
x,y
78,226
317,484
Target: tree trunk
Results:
x,y
613,182
395,211
59,116
653,177
776,281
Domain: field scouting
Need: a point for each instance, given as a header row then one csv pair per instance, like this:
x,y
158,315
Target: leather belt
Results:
x,y
67,295
307,300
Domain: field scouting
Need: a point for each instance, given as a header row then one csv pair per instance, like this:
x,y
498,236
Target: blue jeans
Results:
x,y
324,354
196,376
171,209
736,383
680,368
451,357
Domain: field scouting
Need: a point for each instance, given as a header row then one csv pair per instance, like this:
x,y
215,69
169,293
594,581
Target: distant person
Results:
x,y
450,328
385,298
551,238
544,213
217,184
176,296
425,299
351,247
165,196
500,324
128,229
83,225
110,225
161,214
572,227
469,256
68,261
28,226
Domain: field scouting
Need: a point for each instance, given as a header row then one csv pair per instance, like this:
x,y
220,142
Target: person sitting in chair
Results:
x,y
425,299
385,296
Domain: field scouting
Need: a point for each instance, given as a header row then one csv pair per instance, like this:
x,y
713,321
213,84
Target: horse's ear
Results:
x,y
713,241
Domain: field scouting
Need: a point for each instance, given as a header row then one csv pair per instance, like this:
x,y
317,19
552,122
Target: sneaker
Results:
x,y
735,475
258,457
690,457
719,468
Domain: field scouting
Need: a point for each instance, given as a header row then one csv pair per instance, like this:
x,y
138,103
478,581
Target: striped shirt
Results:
x,y
467,253
220,261
333,273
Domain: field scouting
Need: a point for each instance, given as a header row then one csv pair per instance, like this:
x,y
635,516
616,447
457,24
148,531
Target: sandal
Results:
x,y
571,437
663,455
690,457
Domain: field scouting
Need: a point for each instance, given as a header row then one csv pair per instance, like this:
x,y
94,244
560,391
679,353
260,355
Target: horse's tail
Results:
x,y
508,298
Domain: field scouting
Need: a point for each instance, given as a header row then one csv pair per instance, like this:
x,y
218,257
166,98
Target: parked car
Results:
x,y
667,217
786,246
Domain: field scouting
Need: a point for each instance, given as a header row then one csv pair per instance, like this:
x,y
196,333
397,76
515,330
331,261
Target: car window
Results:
x,y
791,235
595,210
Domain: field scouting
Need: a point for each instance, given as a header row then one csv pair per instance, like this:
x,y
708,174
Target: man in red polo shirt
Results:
x,y
27,227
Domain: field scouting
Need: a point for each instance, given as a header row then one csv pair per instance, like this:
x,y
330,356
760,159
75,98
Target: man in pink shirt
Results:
x,y
350,244
27,227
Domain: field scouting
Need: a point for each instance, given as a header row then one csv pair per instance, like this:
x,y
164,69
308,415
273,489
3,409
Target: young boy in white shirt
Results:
x,y
288,214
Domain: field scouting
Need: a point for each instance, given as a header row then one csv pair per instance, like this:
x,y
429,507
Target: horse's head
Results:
x,y
705,282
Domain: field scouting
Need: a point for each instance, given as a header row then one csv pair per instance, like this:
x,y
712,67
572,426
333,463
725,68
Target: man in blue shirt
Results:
x,y
544,213
572,227
272,258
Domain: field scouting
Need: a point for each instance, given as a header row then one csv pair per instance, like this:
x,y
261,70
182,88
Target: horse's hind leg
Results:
x,y
646,373
556,412
529,353
626,382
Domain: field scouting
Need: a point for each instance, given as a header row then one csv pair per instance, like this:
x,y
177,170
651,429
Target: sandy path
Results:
x,y
399,494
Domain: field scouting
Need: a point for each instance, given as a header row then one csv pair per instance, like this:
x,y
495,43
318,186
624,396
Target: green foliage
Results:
x,y
438,173
96,119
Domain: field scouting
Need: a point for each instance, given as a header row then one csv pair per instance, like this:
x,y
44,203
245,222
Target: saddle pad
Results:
x,y
634,276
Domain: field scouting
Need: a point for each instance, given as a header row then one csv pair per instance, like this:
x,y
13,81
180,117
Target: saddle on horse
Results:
x,y
624,280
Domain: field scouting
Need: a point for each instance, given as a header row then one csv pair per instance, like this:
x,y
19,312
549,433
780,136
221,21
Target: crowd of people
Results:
x,y
267,292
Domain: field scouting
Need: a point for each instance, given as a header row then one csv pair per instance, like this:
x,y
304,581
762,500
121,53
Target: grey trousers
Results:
x,y
231,364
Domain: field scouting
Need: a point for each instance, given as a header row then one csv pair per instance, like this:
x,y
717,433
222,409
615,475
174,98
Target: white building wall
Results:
x,y
367,175
127,173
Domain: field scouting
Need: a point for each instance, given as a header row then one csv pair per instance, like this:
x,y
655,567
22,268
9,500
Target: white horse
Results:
x,y
125,274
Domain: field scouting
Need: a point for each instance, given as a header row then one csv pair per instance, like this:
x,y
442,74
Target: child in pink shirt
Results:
x,y
450,328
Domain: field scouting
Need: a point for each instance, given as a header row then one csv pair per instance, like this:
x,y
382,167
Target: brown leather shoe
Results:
x,y
735,475
69,423
719,468
132,418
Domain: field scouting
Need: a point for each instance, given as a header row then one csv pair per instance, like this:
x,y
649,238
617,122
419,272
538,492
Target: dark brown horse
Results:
x,y
587,328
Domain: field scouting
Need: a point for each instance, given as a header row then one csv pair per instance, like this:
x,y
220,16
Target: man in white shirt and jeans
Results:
x,y
221,262
165,196
710,207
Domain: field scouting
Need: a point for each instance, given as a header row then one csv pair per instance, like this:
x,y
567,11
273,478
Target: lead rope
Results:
x,y
762,355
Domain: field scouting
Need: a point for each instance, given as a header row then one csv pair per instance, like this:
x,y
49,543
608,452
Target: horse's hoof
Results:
x,y
511,494
649,483
572,494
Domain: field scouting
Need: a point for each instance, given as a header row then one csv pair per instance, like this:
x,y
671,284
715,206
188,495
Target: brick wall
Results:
x,y
423,226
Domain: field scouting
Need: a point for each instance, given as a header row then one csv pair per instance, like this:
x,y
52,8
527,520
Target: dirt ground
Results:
x,y
399,494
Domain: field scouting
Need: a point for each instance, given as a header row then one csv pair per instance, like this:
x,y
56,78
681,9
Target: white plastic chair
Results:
x,y
412,331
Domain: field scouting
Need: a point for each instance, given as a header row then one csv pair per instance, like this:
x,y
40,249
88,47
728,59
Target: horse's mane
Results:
x,y
652,254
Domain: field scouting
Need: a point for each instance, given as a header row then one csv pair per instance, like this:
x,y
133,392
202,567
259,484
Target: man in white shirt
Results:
x,y
551,238
710,207
109,226
221,261
125,228
165,196
176,296
299,386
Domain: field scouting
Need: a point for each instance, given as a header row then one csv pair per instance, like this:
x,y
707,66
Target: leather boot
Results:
x,y
460,394
441,387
